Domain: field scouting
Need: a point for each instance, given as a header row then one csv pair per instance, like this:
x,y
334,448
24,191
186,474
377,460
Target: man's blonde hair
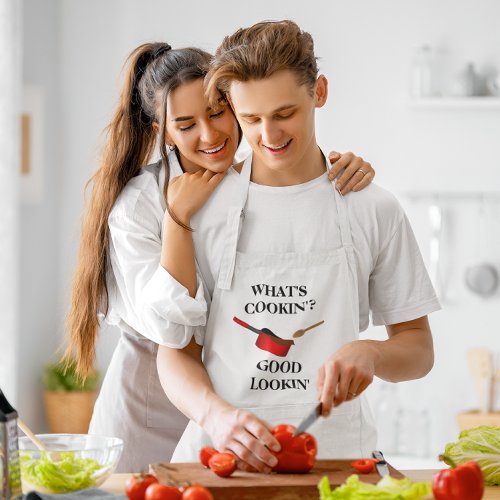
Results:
x,y
260,51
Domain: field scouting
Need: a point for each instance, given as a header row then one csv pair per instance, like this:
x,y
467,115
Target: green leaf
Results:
x,y
58,377
387,488
481,444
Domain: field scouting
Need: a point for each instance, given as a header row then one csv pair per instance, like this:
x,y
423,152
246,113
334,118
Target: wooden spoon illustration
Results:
x,y
301,332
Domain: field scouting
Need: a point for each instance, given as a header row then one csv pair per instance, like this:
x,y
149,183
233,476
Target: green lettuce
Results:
x,y
67,473
481,444
387,488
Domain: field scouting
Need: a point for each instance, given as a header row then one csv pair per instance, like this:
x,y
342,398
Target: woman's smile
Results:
x,y
216,149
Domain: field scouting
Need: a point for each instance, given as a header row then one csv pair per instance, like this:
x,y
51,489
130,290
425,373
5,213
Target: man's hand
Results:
x,y
407,354
346,374
243,434
357,173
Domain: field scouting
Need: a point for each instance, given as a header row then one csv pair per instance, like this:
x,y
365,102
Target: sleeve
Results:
x,y
400,288
153,302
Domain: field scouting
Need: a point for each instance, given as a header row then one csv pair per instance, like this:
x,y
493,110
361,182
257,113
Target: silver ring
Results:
x,y
362,171
353,394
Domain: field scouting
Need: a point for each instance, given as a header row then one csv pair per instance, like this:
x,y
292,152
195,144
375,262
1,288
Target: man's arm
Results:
x,y
407,354
187,384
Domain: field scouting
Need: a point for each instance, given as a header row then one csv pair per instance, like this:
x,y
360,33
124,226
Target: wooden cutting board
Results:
x,y
249,486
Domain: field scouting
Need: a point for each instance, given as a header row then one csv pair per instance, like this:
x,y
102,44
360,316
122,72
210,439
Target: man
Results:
x,y
295,285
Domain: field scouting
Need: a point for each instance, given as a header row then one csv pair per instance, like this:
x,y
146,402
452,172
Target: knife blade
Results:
x,y
381,465
308,420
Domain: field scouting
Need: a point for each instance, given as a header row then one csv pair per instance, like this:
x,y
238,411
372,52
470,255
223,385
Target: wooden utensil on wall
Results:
x,y
481,367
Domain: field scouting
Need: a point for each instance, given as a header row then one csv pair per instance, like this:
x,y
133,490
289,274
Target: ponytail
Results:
x,y
153,71
130,143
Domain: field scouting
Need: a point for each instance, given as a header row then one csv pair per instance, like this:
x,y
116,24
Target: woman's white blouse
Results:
x,y
144,299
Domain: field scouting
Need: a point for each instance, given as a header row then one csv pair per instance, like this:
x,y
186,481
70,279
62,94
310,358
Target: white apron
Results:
x,y
133,406
250,352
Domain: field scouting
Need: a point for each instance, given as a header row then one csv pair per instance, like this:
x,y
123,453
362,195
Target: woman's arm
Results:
x,y
187,194
148,299
187,384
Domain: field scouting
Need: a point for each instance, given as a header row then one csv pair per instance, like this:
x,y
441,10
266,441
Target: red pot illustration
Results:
x,y
267,340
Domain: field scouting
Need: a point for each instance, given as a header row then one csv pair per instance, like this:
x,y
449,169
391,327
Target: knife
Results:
x,y
308,420
381,465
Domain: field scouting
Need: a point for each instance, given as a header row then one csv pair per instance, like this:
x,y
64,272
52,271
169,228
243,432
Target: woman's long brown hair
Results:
x,y
152,71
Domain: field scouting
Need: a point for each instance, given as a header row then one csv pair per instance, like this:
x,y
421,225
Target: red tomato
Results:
x,y
205,454
136,485
463,481
365,465
223,464
162,492
197,492
297,454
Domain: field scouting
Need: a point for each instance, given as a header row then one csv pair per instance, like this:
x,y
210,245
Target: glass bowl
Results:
x,y
72,462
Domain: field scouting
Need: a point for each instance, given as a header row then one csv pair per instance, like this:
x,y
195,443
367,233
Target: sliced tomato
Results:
x,y
206,454
223,464
365,465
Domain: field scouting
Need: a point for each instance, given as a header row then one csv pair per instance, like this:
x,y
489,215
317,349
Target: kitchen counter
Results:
x,y
116,483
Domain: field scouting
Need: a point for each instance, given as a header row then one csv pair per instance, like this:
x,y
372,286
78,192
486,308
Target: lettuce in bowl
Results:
x,y
61,473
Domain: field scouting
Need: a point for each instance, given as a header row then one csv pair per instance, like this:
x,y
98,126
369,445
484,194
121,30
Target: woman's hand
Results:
x,y
346,374
243,434
356,175
190,191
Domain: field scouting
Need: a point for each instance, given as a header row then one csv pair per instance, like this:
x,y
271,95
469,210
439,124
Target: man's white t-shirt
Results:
x,y
392,280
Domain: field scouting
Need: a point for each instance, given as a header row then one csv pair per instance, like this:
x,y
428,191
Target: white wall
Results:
x,y
40,255
365,49
10,78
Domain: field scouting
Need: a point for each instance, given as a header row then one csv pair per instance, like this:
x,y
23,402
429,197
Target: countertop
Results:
x,y
116,483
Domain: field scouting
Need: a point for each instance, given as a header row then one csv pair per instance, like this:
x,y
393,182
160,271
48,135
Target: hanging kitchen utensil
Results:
x,y
268,340
482,278
481,367
301,332
435,219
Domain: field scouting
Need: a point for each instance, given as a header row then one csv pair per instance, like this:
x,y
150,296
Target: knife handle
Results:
x,y
378,455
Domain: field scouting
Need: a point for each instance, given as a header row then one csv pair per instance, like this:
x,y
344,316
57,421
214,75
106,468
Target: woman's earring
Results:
x,y
171,147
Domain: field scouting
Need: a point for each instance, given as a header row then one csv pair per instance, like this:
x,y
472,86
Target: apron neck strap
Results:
x,y
233,228
343,219
236,215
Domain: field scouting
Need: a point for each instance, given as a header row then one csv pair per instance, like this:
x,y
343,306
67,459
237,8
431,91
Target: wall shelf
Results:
x,y
455,103
437,196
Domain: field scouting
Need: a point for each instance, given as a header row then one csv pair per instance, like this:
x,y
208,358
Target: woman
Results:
x,y
119,276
